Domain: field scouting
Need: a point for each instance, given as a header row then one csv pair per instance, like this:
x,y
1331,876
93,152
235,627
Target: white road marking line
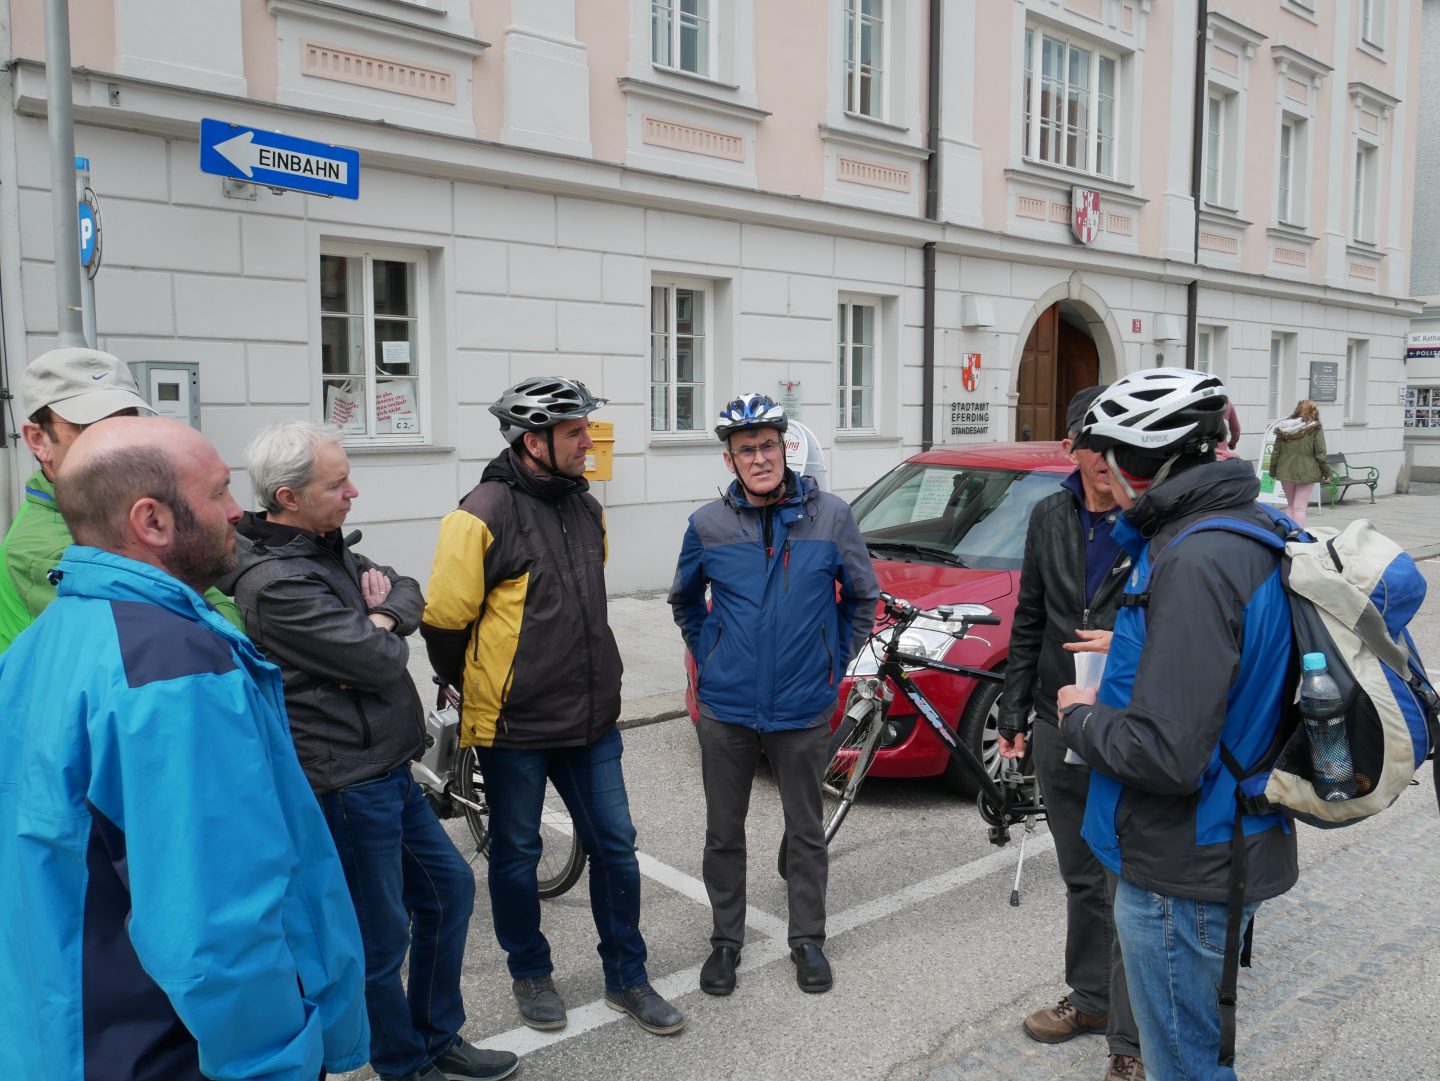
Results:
x,y
691,887
593,1015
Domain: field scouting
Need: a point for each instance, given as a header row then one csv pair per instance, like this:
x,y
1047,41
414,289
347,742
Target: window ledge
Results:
x,y
1306,13
1356,246
696,77
683,441
1059,175
1288,231
342,16
876,438
1348,424
371,450
863,118
1212,214
1369,47
641,88
867,141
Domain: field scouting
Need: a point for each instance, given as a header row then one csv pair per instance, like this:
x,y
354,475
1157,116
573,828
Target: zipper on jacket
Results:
x,y
365,737
585,622
829,654
700,669
786,588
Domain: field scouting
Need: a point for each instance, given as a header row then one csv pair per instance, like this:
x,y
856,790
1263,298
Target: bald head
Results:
x,y
149,488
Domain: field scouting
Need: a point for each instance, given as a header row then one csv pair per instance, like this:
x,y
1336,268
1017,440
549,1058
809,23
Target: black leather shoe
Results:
x,y
464,1062
812,971
651,1012
541,1006
717,975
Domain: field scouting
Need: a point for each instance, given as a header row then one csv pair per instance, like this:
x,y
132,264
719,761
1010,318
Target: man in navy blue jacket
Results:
x,y
770,653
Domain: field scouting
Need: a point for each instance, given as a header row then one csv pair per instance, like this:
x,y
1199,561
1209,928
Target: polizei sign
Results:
x,y
279,161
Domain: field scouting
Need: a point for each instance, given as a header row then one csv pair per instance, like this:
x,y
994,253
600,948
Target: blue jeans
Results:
x,y
1174,949
412,890
590,782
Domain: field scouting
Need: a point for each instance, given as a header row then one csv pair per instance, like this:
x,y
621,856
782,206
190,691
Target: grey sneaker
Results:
x,y
541,1006
651,1012
466,1063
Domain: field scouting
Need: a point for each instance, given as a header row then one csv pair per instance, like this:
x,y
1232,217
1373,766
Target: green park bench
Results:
x,y
1343,475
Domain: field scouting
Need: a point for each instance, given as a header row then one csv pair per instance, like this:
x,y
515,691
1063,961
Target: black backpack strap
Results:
x,y
1238,938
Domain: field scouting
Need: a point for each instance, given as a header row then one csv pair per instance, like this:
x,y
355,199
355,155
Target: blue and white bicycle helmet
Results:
x,y
1156,413
541,402
751,411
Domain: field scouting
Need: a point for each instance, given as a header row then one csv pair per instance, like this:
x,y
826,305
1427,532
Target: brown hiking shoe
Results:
x,y
1061,1022
1125,1068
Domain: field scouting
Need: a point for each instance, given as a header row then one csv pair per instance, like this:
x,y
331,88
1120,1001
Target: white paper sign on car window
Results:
x,y
936,487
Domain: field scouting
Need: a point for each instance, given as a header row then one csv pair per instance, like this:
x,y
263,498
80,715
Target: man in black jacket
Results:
x,y
518,619
334,622
1070,585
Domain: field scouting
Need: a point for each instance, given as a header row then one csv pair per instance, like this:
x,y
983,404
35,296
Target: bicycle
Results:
x,y
1012,799
450,777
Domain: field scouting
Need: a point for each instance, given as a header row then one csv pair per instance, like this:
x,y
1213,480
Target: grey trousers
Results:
x,y
1093,968
729,754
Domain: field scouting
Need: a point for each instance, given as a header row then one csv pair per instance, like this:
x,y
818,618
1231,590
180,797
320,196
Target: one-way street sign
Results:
x,y
278,161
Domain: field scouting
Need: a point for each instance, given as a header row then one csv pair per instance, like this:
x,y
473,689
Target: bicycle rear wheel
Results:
x,y
561,858
852,753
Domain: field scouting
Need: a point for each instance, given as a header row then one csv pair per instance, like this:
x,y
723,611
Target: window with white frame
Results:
x,y
680,351
1357,363
858,323
1070,102
1372,22
373,341
1274,382
1366,193
1290,171
1220,131
1204,350
865,57
682,36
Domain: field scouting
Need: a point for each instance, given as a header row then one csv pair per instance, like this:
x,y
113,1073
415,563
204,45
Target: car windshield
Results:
x,y
952,514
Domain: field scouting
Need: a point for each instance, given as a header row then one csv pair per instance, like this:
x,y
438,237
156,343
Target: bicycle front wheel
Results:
x,y
561,858
852,752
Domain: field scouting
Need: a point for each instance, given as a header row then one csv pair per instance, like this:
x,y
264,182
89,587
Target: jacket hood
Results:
x,y
93,572
257,541
1214,486
1294,427
551,487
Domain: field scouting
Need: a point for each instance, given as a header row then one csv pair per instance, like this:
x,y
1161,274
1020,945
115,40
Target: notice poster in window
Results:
x,y
395,356
936,487
395,407
343,411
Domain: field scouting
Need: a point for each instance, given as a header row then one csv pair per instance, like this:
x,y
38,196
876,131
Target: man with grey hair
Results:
x,y
65,391
335,623
159,922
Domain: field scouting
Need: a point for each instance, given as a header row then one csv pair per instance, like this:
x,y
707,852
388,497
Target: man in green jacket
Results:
x,y
66,391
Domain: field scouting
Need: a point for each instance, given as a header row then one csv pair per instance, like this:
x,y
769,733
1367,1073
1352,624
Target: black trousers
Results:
x,y
1093,967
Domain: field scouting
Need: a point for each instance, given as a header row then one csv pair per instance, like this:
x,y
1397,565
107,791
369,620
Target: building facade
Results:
x,y
1422,366
909,236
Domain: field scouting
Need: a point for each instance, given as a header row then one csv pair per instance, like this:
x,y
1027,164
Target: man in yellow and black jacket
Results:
x,y
517,619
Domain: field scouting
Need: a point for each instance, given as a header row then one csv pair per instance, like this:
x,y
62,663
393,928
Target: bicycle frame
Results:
x,y
998,806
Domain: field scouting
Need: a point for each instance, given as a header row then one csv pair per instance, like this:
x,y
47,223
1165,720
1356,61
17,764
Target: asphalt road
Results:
x,y
934,969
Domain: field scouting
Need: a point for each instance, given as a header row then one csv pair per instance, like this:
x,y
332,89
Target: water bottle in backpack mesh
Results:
x,y
1323,710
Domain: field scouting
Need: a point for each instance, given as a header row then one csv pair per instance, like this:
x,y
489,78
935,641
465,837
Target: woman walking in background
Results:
x,y
1298,460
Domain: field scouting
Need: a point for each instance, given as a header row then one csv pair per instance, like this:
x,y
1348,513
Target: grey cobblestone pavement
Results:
x,y
1345,980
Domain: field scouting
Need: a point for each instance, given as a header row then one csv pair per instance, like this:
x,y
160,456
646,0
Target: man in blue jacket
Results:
x,y
770,653
171,902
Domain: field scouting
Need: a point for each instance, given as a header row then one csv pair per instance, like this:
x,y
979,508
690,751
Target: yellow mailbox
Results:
x,y
599,458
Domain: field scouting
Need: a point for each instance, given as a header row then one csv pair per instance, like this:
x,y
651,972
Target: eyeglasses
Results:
x,y
747,454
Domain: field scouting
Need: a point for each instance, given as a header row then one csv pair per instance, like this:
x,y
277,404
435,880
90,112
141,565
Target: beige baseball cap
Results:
x,y
81,385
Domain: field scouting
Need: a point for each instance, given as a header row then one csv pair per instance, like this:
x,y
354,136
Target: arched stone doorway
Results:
x,y
1060,357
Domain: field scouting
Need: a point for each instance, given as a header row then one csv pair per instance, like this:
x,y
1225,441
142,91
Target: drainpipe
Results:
x,y
932,213
1197,175
64,217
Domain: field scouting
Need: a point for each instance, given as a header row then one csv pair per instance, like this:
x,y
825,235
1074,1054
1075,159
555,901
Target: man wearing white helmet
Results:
x,y
770,653
517,619
1193,694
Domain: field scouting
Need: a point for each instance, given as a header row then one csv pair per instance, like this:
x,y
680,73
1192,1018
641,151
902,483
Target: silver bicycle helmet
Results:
x,y
751,411
541,402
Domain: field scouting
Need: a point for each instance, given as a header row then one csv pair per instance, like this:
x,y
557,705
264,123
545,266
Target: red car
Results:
x,y
948,527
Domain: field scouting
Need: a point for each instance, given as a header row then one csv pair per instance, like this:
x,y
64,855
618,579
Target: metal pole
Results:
x,y
68,303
